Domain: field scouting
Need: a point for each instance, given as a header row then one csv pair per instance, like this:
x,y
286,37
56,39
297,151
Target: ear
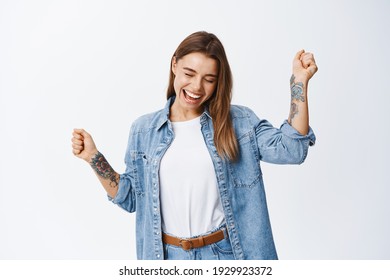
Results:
x,y
174,65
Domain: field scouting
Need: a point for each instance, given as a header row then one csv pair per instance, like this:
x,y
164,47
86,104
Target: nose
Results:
x,y
197,84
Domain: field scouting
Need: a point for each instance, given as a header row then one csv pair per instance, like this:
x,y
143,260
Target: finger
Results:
x,y
77,141
299,54
307,56
305,63
76,152
309,63
82,132
307,59
77,147
312,68
77,135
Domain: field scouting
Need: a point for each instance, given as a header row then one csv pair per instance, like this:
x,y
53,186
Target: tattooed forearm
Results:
x,y
104,169
293,112
296,96
296,90
299,111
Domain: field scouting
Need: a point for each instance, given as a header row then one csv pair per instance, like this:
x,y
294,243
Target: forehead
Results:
x,y
200,63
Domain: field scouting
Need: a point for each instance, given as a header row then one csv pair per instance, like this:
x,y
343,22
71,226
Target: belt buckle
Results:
x,y
186,241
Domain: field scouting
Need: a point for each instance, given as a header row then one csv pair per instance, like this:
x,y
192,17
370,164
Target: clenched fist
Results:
x,y
304,66
83,145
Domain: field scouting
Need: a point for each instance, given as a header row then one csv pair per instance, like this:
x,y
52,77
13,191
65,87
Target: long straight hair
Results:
x,y
219,103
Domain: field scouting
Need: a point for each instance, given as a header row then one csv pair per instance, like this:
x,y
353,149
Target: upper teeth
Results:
x,y
193,95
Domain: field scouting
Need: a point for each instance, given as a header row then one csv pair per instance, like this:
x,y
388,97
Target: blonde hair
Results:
x,y
219,104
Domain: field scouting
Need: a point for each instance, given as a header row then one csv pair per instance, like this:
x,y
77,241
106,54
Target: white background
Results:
x,y
101,64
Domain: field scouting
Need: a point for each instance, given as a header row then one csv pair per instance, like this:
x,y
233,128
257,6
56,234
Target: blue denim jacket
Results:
x,y
240,183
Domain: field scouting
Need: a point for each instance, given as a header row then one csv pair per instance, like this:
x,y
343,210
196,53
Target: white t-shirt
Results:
x,y
190,203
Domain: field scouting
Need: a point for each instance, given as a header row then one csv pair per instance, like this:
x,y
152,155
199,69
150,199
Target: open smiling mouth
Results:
x,y
191,97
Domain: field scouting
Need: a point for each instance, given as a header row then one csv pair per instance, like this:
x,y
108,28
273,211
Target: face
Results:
x,y
196,78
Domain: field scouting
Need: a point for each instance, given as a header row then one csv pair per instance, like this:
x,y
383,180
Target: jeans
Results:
x,y
221,250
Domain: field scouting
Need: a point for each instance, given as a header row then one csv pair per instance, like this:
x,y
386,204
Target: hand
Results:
x,y
304,66
83,145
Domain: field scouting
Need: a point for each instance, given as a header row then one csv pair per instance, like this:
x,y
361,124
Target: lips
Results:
x,y
191,97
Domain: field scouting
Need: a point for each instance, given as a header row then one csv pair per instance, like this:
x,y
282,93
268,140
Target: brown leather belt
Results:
x,y
192,243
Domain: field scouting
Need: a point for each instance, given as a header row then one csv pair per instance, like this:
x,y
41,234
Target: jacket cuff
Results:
x,y
291,132
123,190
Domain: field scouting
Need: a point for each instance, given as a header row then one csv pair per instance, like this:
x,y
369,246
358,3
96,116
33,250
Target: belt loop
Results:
x,y
225,232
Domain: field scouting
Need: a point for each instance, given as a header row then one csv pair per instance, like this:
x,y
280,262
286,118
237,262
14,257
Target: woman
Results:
x,y
192,169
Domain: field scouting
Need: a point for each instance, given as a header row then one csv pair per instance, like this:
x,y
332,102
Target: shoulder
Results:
x,y
148,122
239,111
243,116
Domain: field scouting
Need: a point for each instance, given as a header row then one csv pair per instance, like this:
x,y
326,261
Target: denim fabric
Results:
x,y
240,183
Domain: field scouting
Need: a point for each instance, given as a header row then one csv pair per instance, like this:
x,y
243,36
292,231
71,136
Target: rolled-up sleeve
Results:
x,y
284,145
125,197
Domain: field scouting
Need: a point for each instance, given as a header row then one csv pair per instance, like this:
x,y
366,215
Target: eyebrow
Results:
x,y
192,70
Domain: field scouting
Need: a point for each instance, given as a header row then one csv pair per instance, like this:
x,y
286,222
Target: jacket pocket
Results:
x,y
246,171
140,165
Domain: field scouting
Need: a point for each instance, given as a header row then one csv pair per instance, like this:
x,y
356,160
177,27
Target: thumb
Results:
x,y
298,54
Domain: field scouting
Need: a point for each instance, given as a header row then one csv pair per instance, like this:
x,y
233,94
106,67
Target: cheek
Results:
x,y
179,82
176,85
210,89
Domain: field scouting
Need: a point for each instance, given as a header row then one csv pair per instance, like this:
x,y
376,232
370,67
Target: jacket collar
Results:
x,y
163,117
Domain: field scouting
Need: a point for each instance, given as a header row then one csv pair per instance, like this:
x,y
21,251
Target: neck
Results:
x,y
178,114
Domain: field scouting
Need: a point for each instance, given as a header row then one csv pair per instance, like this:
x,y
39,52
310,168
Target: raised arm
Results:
x,y
84,147
304,67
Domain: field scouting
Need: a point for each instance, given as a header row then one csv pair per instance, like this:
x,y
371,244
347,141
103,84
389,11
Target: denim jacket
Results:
x,y
240,183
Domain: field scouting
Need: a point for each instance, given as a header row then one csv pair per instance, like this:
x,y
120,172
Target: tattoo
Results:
x,y
296,90
293,112
104,169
